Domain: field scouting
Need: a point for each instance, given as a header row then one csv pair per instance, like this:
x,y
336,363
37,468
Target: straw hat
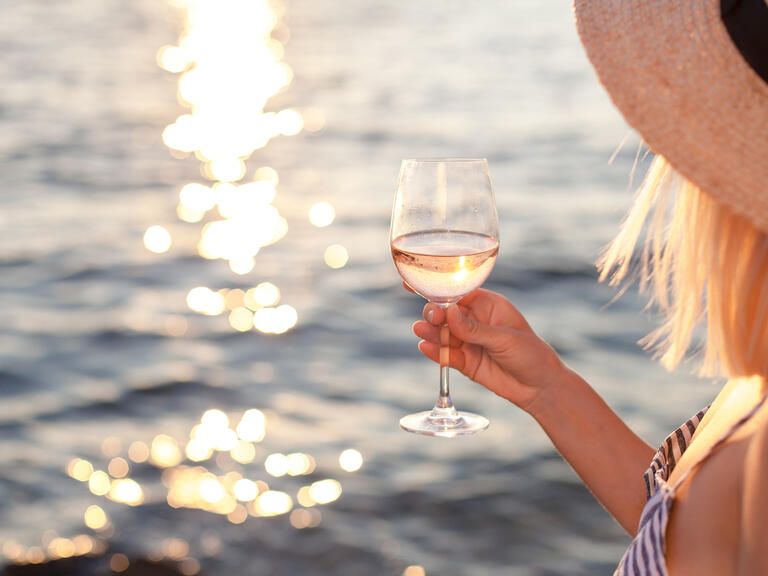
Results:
x,y
672,70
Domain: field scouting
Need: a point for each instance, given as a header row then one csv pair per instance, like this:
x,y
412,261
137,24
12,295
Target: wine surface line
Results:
x,y
444,265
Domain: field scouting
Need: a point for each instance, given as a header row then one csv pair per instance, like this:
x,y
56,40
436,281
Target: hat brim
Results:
x,y
673,72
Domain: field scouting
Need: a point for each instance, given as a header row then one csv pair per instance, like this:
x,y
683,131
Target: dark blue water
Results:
x,y
97,342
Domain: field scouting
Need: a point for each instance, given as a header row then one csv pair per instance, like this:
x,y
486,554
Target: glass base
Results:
x,y
444,423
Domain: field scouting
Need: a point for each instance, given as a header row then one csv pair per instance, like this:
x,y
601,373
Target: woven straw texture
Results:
x,y
672,70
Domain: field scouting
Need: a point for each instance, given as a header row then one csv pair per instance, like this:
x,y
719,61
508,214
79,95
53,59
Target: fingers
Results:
x,y
430,333
431,350
434,314
493,308
466,328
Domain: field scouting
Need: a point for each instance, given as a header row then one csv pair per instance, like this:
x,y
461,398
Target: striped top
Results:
x,y
645,555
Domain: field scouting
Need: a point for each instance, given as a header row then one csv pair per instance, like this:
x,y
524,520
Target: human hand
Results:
x,y
492,344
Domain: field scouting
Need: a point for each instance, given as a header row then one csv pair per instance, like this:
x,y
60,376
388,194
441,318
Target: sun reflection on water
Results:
x,y
191,474
229,62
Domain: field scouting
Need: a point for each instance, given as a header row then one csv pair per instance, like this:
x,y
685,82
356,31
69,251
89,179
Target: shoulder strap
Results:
x,y
722,440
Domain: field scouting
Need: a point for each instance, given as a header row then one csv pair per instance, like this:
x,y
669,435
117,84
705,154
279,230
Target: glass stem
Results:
x,y
444,406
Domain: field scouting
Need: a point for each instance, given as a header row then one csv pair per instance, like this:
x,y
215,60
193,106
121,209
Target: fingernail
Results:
x,y
430,316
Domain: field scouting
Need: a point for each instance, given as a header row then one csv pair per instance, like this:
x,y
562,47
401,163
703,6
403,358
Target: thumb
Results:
x,y
466,328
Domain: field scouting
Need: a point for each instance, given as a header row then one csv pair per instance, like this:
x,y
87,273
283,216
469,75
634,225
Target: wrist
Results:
x,y
548,402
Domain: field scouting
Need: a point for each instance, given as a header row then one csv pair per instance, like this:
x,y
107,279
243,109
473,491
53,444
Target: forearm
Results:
x,y
600,447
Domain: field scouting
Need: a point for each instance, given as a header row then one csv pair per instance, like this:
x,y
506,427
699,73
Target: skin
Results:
x,y
717,525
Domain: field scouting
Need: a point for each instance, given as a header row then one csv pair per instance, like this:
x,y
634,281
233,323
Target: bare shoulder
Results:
x,y
757,452
754,507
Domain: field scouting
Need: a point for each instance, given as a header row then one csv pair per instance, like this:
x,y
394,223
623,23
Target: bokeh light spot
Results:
x,y
164,451
205,301
126,491
325,491
80,469
245,490
336,256
273,503
350,460
277,465
322,214
118,467
138,452
119,563
95,517
99,483
157,239
252,426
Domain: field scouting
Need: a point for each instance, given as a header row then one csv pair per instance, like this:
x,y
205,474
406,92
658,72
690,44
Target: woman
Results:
x,y
692,77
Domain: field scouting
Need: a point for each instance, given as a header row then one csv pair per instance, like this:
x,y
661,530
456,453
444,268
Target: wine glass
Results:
x,y
444,239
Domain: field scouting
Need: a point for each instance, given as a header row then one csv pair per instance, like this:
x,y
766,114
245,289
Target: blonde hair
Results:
x,y
703,265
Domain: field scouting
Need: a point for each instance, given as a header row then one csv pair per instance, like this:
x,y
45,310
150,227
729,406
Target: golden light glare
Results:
x,y
118,467
289,122
241,319
336,256
35,555
277,465
205,301
99,483
211,489
461,272
275,320
61,548
266,294
126,491
235,201
80,469
243,452
226,169
189,215
83,544
172,59
214,419
267,174
242,236
157,239
245,490
164,451
414,570
252,426
198,450
230,65
322,214
138,452
304,497
197,197
350,460
12,550
242,265
273,503
300,464
95,517
325,491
